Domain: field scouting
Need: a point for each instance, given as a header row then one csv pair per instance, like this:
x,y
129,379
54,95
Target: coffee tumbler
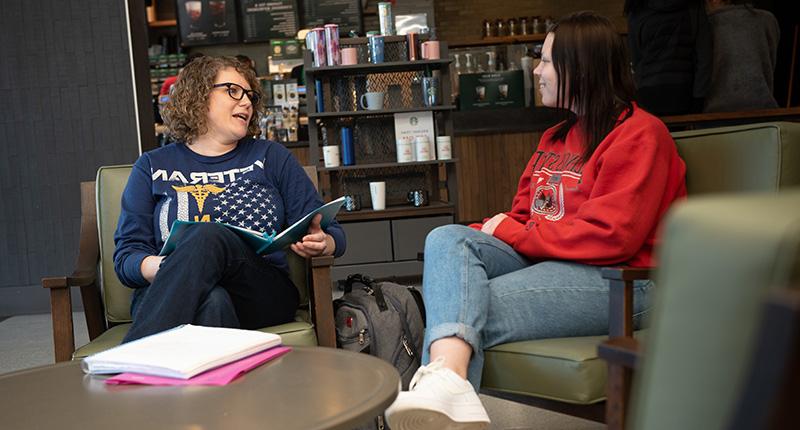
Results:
x,y
412,40
376,49
430,91
348,151
332,44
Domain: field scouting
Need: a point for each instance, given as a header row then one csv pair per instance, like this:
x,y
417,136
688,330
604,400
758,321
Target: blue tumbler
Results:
x,y
318,95
376,49
348,152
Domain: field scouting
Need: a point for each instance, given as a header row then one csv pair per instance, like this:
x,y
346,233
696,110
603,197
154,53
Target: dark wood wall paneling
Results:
x,y
67,107
488,171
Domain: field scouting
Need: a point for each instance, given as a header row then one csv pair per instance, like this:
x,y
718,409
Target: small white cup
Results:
x,y
377,191
371,101
444,148
330,154
422,148
405,150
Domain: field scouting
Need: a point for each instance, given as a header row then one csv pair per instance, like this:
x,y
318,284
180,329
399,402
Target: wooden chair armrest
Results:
x,y
624,351
626,273
61,314
322,300
620,298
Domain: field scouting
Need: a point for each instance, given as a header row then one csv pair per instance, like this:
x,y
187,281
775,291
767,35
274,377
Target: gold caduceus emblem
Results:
x,y
200,192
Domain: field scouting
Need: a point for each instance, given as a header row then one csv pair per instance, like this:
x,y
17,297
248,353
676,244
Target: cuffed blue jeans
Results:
x,y
477,288
213,278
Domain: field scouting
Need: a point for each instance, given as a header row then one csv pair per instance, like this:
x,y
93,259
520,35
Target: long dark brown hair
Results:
x,y
594,76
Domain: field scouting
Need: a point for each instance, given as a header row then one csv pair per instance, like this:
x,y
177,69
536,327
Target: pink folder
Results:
x,y
222,375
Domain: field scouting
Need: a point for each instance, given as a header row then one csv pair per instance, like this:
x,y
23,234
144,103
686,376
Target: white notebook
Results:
x,y
182,352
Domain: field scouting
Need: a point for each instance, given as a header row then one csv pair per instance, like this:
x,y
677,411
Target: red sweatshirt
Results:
x,y
604,211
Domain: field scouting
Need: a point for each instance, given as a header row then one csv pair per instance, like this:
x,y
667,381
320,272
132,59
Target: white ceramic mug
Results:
x,y
377,191
330,154
371,101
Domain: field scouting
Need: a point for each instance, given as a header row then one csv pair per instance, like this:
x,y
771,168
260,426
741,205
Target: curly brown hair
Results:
x,y
186,112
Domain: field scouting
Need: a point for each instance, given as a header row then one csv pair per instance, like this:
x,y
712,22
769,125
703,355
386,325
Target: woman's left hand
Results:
x,y
316,242
489,226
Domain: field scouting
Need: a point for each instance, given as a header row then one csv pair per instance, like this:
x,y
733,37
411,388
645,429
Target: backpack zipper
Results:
x,y
404,340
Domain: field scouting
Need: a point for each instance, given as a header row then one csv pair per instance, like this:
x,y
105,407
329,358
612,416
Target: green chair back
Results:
x,y
720,257
110,183
754,157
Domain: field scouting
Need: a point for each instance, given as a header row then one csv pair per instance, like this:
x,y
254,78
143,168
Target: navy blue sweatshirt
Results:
x,y
259,185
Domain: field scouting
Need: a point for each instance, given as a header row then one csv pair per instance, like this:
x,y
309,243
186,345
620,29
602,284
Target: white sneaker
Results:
x,y
437,399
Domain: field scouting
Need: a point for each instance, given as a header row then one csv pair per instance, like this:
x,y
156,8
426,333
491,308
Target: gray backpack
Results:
x,y
383,319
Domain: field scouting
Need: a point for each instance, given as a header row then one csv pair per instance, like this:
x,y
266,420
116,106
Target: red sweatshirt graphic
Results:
x,y
604,211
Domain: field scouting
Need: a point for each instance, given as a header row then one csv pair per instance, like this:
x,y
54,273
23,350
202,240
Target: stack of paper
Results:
x,y
182,352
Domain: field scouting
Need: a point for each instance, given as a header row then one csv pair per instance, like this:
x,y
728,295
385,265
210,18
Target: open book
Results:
x,y
263,243
181,352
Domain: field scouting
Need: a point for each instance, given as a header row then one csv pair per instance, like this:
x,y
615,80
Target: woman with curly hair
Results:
x,y
215,172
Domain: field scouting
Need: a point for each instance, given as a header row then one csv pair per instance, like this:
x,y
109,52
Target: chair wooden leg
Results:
x,y
618,392
322,302
93,309
63,332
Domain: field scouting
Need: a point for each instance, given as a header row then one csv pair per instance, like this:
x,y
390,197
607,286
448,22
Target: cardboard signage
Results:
x,y
207,22
414,124
491,90
265,20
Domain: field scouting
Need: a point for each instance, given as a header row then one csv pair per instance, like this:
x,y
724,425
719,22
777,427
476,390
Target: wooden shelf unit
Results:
x,y
404,226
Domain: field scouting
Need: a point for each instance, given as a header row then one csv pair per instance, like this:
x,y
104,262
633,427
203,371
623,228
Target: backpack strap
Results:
x,y
377,291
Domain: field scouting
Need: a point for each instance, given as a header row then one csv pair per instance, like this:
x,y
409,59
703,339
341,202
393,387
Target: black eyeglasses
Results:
x,y
237,92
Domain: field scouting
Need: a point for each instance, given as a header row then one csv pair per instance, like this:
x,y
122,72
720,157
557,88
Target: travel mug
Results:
x,y
348,152
318,95
376,49
430,91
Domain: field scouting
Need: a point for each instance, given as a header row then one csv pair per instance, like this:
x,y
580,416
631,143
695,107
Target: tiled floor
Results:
x,y
26,341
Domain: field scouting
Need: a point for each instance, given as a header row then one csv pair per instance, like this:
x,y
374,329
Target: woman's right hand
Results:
x,y
150,266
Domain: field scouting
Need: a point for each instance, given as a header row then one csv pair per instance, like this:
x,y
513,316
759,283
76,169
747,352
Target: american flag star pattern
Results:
x,y
246,204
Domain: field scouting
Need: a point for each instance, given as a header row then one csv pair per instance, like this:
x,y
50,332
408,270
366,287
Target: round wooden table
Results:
x,y
308,388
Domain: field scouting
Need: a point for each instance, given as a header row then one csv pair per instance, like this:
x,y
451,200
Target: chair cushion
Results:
x,y
563,369
296,333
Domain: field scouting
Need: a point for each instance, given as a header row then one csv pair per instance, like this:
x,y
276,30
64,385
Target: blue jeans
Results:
x,y
213,278
477,288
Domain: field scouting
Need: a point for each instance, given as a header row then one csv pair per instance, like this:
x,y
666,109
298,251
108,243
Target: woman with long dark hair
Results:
x,y
592,195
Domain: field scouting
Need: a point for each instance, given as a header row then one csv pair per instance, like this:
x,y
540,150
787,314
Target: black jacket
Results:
x,y
670,44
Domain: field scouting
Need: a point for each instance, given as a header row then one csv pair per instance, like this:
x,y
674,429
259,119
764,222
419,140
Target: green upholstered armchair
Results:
x,y
106,301
722,258
567,374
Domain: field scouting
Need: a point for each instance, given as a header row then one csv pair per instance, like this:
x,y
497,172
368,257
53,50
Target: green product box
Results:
x,y
491,90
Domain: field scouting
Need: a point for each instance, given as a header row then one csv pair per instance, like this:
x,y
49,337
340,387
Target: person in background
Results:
x,y
170,81
670,45
745,53
214,173
592,195
244,59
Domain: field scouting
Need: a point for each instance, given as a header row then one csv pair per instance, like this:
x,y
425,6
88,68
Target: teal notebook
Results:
x,y
262,243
